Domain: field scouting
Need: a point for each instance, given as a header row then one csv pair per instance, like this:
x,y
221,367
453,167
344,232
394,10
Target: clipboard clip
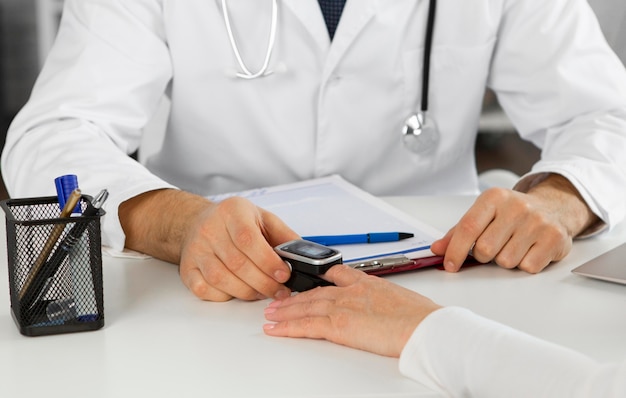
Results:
x,y
382,263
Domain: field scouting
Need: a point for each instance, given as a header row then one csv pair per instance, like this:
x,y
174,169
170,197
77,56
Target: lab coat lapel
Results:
x,y
309,13
356,14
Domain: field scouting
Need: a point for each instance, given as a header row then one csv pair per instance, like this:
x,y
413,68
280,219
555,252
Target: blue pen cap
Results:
x,y
65,186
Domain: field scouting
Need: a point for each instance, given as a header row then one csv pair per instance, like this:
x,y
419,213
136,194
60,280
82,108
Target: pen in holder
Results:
x,y
55,265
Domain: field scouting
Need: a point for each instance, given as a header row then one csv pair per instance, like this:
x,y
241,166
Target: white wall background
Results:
x,y
18,56
612,17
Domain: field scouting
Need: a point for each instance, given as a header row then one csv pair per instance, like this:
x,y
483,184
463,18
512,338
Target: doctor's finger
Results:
x,y
534,261
544,251
196,283
274,229
472,225
245,272
510,254
460,243
203,271
246,245
496,240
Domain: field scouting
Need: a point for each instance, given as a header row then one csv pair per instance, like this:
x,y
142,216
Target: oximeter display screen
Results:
x,y
311,250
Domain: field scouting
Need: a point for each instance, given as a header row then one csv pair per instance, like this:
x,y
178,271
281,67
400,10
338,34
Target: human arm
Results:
x,y
224,249
450,350
558,95
100,85
566,93
527,230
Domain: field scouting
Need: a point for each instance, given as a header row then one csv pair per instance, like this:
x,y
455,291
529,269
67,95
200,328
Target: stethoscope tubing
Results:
x,y
417,128
430,29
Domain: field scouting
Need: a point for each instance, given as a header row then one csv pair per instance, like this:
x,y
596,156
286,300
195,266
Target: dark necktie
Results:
x,y
332,10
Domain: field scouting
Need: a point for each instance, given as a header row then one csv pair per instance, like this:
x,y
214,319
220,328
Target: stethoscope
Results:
x,y
419,133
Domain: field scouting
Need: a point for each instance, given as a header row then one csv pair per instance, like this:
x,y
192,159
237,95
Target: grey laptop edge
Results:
x,y
610,266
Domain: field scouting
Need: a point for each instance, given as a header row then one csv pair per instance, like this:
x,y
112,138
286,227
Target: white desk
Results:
x,y
160,341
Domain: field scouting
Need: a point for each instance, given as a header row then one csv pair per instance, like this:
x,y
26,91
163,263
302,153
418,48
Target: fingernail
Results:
x,y
282,294
449,266
281,275
269,310
269,326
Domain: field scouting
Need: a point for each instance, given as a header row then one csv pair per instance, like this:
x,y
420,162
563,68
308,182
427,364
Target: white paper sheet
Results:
x,y
333,206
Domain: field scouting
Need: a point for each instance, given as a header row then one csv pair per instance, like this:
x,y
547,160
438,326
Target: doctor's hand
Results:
x,y
362,311
515,229
224,249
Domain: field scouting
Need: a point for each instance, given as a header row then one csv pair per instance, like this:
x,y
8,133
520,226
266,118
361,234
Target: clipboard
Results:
x,y
395,264
333,206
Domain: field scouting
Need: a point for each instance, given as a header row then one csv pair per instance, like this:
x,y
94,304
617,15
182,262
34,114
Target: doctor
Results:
x,y
265,92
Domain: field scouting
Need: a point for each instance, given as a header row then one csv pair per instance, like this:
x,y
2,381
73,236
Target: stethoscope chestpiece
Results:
x,y
420,134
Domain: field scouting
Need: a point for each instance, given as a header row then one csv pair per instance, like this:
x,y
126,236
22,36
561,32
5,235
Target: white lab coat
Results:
x,y
327,108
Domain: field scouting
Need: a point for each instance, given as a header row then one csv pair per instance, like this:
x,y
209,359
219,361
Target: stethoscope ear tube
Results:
x,y
245,72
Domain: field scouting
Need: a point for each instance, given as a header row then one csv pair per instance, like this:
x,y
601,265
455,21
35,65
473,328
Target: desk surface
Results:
x,y
160,341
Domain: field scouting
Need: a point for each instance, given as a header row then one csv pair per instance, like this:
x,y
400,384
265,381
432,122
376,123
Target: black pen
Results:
x,y
72,201
42,284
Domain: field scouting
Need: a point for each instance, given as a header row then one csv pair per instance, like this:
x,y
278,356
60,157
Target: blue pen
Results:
x,y
65,185
372,237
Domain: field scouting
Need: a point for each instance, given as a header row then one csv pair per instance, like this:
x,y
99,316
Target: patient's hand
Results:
x,y
362,311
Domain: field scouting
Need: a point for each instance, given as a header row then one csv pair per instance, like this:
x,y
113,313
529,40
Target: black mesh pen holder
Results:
x,y
55,267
